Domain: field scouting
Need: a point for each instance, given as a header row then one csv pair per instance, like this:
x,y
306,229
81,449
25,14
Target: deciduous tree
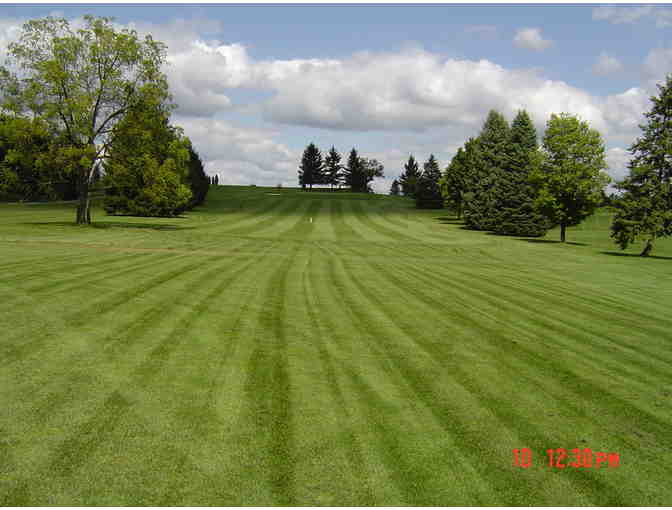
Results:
x,y
83,81
571,177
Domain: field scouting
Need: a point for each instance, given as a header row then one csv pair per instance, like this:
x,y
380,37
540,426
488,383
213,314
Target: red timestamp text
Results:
x,y
561,458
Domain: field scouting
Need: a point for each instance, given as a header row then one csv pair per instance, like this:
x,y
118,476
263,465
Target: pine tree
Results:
x,y
481,210
428,191
473,169
570,178
310,170
409,177
394,189
352,173
332,168
516,213
453,182
644,211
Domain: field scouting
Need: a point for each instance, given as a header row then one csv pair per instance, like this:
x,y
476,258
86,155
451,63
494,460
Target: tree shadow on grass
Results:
x,y
548,241
637,255
451,220
111,224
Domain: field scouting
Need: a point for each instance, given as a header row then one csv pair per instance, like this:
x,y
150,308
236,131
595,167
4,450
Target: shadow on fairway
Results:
x,y
637,255
452,220
112,224
549,241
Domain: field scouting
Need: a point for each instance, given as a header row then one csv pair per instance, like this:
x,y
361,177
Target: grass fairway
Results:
x,y
285,348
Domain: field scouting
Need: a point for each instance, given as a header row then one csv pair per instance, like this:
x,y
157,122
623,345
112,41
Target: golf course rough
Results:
x,y
280,347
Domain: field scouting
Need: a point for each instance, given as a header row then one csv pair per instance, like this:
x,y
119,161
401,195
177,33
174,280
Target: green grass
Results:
x,y
376,355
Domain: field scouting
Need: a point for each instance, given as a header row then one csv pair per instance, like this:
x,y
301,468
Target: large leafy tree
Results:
x,y
571,177
481,208
516,212
644,211
395,188
83,81
310,169
150,165
428,191
332,168
370,169
409,177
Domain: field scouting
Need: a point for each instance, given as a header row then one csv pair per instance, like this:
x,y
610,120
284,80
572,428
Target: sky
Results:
x,y
255,84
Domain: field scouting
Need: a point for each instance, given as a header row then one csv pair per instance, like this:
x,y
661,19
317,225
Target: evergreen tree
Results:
x,y
198,182
516,212
481,210
644,211
352,171
310,170
428,192
332,168
394,189
473,168
409,177
453,182
570,178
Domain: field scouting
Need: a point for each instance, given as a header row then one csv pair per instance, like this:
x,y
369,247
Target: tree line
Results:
x,y
92,105
356,175
502,181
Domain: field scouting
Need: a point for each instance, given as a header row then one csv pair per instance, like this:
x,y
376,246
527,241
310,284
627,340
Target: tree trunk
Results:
x,y
647,248
84,206
562,232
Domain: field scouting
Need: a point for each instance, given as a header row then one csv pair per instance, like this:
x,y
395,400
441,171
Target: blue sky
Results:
x,y
256,83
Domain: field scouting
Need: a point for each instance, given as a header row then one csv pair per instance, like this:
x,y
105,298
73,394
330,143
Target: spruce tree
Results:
x,y
644,211
473,169
409,177
332,168
310,170
481,209
394,189
453,182
428,192
352,173
516,212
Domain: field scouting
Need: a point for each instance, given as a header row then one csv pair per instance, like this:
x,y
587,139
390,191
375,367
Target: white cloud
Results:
x,y
617,160
531,39
240,155
631,14
606,64
657,64
401,93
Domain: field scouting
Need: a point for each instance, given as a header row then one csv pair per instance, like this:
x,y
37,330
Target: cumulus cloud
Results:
x,y
531,39
400,93
631,14
240,155
606,64
617,160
